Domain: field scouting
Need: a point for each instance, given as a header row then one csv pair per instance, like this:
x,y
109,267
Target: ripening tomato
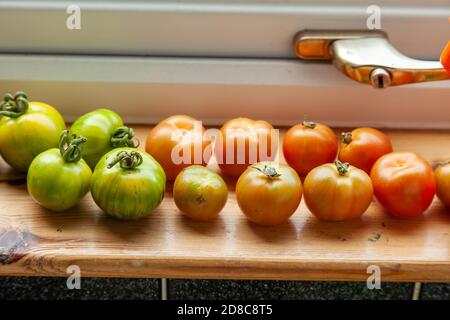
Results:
x,y
363,146
58,178
337,191
268,194
243,142
200,193
27,128
178,142
403,183
104,131
442,174
309,145
128,183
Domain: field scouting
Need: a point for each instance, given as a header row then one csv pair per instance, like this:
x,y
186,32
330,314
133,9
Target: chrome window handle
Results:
x,y
367,57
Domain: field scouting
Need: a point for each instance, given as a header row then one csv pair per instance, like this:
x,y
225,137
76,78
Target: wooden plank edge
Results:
x,y
218,268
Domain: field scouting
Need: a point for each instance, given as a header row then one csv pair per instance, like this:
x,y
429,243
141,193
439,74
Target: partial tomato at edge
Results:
x,y
363,146
442,174
268,193
403,183
180,137
337,191
309,145
445,57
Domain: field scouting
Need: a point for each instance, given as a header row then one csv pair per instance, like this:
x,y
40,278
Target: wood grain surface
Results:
x,y
34,241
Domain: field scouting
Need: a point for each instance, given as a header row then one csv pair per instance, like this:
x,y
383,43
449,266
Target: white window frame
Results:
x,y
215,61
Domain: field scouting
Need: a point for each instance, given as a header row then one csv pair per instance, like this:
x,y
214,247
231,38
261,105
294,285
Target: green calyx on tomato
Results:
x,y
27,128
128,183
71,153
443,163
269,171
104,131
346,137
342,168
59,178
127,160
123,137
14,106
309,124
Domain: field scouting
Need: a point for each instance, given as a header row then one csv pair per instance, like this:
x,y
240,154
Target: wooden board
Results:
x,y
34,241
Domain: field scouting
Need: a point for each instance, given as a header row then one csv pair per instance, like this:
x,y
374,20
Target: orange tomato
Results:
x,y
308,145
268,194
442,174
337,192
363,146
178,142
403,183
243,142
445,57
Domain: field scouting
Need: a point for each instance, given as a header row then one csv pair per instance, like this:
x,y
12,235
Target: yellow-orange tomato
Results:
x,y
243,142
403,183
442,174
178,142
337,191
445,57
199,193
268,194
308,145
363,146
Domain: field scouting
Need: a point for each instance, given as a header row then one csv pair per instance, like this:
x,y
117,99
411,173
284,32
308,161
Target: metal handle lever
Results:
x,y
367,57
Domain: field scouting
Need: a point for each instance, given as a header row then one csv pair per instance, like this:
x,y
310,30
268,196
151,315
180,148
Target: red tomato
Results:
x,y
243,142
363,146
177,143
403,183
309,145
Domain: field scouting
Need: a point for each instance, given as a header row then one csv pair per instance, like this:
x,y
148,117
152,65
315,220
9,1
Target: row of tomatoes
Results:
x,y
340,179
130,183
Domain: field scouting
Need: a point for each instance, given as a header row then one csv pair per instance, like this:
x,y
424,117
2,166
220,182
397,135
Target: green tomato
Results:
x,y
199,193
104,131
27,129
128,183
58,178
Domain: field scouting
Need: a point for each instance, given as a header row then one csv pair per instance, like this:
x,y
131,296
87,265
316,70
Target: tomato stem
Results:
x,y
342,168
443,163
14,106
127,160
71,153
123,137
309,124
269,171
346,137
